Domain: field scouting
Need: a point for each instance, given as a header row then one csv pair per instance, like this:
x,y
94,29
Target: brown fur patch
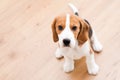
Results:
x,y
83,34
74,21
90,28
61,20
55,36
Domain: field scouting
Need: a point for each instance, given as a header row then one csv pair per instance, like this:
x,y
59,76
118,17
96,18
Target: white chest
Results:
x,y
77,52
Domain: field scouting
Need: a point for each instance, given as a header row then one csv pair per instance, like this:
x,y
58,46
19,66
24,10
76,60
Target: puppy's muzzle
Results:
x,y
66,42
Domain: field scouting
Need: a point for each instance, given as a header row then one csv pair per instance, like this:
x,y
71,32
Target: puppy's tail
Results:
x,y
75,10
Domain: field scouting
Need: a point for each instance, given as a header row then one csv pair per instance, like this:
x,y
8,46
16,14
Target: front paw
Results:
x,y
58,54
68,67
93,70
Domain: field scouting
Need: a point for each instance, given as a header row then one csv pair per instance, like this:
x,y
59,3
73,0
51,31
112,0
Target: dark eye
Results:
x,y
60,27
74,28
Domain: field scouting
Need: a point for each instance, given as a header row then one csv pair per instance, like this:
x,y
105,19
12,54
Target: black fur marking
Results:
x,y
90,32
87,22
76,14
90,29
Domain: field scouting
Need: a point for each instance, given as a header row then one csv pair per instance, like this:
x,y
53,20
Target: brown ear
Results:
x,y
55,36
83,33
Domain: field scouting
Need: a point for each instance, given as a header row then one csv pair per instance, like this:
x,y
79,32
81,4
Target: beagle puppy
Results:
x,y
76,39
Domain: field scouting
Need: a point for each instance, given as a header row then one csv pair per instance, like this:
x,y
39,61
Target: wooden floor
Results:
x,y
26,45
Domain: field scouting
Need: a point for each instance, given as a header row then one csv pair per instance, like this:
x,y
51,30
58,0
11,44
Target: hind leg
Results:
x,y
96,45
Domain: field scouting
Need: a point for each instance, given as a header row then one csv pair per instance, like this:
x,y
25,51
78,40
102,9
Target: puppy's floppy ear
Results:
x,y
55,36
83,33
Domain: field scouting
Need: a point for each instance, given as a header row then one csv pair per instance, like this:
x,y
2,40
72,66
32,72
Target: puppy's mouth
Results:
x,y
66,45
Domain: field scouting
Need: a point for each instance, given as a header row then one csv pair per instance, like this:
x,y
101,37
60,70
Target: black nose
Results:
x,y
66,42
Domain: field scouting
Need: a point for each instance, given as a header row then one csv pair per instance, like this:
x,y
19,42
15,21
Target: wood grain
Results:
x,y
26,45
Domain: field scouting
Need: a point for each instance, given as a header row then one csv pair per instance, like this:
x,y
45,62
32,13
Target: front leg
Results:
x,y
68,64
92,67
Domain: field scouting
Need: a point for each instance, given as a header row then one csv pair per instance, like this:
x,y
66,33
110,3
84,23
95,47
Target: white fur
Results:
x,y
93,68
68,64
95,43
75,10
75,51
58,53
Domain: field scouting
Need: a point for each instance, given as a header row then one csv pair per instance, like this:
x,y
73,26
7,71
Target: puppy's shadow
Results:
x,y
80,72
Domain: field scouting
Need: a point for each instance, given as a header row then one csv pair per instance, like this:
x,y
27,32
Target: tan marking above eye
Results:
x,y
74,28
60,24
74,25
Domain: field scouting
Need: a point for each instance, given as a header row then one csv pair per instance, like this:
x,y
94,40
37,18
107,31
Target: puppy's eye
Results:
x,y
74,28
60,27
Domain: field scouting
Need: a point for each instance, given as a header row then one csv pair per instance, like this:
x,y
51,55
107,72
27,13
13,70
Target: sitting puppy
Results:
x,y
75,38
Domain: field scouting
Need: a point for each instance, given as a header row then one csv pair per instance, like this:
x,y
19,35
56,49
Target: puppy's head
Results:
x,y
69,30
